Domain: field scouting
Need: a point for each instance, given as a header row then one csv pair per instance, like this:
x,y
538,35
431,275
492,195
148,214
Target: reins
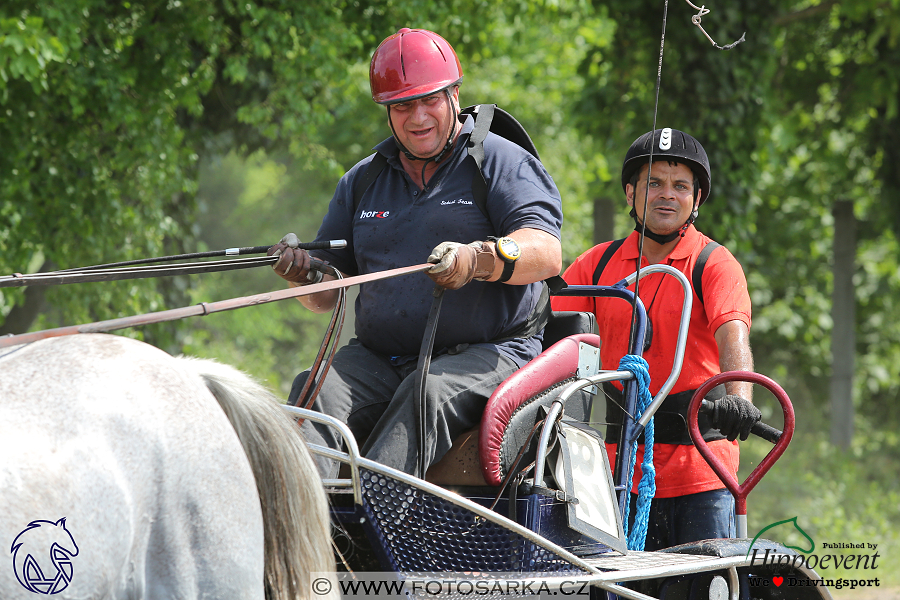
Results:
x,y
139,269
206,308
318,370
130,269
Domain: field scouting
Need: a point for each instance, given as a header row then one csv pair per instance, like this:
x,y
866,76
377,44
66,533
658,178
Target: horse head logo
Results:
x,y
42,556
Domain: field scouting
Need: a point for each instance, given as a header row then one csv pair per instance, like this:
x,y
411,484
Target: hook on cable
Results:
x,y
702,11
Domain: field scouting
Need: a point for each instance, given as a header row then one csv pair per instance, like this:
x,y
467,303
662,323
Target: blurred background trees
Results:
x,y
139,129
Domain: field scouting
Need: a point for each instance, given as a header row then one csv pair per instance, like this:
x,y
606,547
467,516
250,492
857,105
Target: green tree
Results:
x,y
798,116
107,108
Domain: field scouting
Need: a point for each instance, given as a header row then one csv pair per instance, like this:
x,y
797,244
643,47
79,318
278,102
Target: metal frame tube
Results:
x,y
351,457
555,412
681,343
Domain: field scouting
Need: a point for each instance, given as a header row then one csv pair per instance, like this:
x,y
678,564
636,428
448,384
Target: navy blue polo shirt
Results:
x,y
397,225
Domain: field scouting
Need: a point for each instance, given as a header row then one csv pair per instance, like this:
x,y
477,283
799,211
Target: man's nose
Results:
x,y
667,191
419,112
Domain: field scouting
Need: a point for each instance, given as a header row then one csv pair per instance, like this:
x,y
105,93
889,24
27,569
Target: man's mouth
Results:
x,y
421,132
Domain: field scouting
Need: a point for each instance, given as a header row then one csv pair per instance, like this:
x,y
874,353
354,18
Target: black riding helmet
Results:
x,y
668,144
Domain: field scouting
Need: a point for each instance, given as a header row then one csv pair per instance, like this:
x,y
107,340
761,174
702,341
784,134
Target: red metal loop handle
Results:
x,y
741,491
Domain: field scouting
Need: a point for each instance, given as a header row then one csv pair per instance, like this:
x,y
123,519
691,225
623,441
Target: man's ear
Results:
x,y
629,194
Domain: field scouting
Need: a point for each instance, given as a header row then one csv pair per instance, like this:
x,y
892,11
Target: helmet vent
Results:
x,y
400,48
439,50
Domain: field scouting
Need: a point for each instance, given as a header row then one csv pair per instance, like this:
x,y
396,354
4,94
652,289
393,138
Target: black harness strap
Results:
x,y
670,420
604,259
379,162
484,116
697,273
422,368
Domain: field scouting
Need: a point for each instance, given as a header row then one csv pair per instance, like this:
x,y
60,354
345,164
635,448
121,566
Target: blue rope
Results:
x,y
647,486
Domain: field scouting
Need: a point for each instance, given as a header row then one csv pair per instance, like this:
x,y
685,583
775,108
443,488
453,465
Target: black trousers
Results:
x,y
376,399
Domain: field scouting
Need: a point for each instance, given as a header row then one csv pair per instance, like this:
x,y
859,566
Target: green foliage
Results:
x,y
250,202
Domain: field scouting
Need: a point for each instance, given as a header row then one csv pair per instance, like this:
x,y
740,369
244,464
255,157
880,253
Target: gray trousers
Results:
x,y
377,401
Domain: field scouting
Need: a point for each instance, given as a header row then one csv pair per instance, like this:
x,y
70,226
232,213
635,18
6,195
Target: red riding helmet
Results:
x,y
411,64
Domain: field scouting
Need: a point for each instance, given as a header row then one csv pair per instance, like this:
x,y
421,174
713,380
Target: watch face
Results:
x,y
508,249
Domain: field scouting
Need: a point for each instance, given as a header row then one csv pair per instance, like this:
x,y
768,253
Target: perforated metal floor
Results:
x,y
425,533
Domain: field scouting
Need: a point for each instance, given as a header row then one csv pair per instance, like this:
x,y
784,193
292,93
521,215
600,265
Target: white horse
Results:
x,y
121,477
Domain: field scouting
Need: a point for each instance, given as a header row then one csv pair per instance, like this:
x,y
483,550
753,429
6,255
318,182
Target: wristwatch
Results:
x,y
509,252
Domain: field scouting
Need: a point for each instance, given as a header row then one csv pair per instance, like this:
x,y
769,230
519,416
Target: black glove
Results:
x,y
734,416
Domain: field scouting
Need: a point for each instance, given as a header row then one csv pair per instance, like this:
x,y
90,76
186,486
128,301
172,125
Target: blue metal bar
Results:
x,y
628,431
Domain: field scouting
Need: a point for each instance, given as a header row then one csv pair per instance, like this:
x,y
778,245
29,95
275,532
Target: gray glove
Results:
x,y
734,417
293,262
458,264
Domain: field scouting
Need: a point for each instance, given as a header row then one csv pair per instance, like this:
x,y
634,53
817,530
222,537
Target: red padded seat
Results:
x,y
557,363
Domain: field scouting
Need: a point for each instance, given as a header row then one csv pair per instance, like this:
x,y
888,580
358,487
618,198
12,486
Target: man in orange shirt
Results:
x,y
691,503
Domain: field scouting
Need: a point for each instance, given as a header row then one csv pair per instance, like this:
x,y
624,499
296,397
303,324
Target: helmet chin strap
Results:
x,y
662,239
447,146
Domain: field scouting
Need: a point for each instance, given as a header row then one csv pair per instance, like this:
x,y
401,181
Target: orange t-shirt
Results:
x,y
680,469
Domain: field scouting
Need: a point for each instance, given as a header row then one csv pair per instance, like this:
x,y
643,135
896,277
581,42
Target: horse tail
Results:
x,y
294,505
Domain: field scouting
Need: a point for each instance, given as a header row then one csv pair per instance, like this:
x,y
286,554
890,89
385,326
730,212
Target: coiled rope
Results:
x,y
647,486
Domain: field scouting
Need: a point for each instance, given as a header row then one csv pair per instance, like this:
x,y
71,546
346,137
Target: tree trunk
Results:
x,y
604,220
843,335
23,315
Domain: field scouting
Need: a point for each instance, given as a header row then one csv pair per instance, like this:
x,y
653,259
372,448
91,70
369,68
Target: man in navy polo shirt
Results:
x,y
421,204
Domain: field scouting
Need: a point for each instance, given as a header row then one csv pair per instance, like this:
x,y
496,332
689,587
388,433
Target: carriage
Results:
x,y
528,503
478,515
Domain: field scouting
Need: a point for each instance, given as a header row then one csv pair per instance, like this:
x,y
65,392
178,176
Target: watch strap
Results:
x,y
508,268
508,265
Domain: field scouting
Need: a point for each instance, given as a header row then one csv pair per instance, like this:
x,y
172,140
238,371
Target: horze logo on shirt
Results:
x,y
378,214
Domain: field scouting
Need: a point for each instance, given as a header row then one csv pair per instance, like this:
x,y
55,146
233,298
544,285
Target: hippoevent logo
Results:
x,y
801,568
42,556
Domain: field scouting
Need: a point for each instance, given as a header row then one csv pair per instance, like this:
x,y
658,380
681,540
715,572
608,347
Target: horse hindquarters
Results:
x,y
135,453
295,509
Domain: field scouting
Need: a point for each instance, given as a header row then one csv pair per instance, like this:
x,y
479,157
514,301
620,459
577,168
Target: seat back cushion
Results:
x,y
514,407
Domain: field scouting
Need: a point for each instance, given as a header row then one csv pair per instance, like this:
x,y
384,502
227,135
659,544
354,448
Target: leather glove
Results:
x,y
734,416
457,264
294,262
